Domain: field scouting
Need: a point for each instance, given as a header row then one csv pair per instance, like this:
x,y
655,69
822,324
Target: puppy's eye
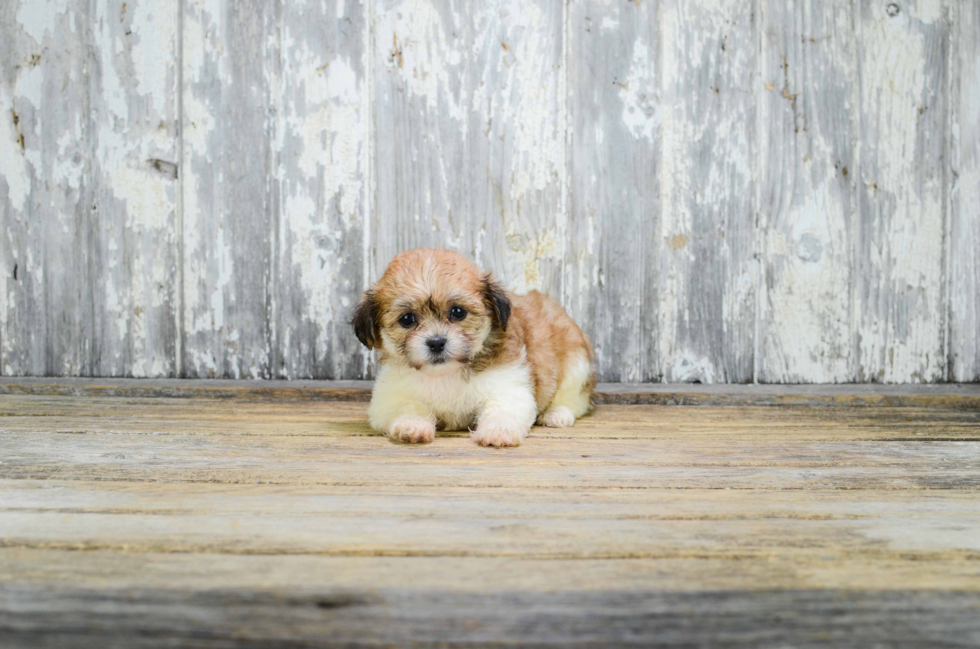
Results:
x,y
407,320
457,313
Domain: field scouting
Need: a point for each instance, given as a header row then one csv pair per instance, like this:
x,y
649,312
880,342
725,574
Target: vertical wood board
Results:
x,y
134,174
808,193
708,232
46,282
613,248
469,109
323,157
964,194
88,101
899,284
716,191
230,195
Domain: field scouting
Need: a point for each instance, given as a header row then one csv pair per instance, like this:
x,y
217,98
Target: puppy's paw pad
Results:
x,y
558,417
498,434
412,431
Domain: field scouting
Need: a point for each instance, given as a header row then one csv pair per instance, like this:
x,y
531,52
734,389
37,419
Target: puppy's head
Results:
x,y
432,310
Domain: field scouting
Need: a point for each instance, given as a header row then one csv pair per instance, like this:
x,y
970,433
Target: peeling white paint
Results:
x,y
608,24
900,334
39,18
705,207
322,191
926,11
68,168
421,53
154,32
481,108
13,164
964,262
688,367
641,108
531,252
808,210
814,265
539,147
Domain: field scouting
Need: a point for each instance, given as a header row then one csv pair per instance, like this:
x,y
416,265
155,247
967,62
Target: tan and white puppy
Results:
x,y
458,353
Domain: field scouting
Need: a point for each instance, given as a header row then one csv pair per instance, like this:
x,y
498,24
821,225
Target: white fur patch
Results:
x,y
499,401
558,417
571,393
412,429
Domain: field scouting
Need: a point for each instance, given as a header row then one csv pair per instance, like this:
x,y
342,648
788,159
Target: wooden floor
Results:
x,y
153,522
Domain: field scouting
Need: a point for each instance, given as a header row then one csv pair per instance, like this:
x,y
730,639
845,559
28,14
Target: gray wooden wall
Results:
x,y
717,190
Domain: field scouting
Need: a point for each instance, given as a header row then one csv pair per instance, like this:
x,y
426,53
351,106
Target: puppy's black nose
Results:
x,y
436,344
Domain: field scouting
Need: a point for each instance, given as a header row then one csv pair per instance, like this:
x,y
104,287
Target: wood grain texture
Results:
x,y
134,144
89,103
95,413
613,250
319,617
965,396
635,447
964,194
902,51
539,525
718,192
162,522
226,460
108,570
48,311
323,152
470,135
708,208
231,75
808,194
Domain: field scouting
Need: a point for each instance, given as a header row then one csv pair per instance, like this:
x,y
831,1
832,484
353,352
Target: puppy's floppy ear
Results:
x,y
366,321
496,298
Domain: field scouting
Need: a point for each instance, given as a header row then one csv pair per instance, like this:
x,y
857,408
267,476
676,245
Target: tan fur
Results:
x,y
541,325
540,349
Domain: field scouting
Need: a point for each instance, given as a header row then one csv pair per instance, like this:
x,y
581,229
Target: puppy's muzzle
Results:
x,y
437,347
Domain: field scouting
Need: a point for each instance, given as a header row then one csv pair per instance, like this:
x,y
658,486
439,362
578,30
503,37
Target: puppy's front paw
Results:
x,y
412,430
558,417
491,431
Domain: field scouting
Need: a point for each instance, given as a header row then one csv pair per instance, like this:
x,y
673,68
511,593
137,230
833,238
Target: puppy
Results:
x,y
458,353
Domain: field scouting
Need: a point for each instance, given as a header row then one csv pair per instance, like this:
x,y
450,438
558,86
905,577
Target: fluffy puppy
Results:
x,y
458,353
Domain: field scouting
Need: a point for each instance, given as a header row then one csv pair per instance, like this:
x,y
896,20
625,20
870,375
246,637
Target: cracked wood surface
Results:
x,y
151,522
718,191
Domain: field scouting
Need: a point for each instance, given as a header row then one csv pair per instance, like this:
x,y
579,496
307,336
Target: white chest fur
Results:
x,y
456,397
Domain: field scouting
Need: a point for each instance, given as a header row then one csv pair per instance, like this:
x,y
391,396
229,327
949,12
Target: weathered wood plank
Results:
x,y
230,194
470,154
829,507
546,461
964,197
494,537
347,419
323,153
235,523
808,193
708,208
902,51
493,135
957,396
47,310
90,96
628,444
561,524
134,149
110,570
321,617
613,251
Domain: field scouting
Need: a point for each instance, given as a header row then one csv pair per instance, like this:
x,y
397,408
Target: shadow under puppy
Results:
x,y
458,353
